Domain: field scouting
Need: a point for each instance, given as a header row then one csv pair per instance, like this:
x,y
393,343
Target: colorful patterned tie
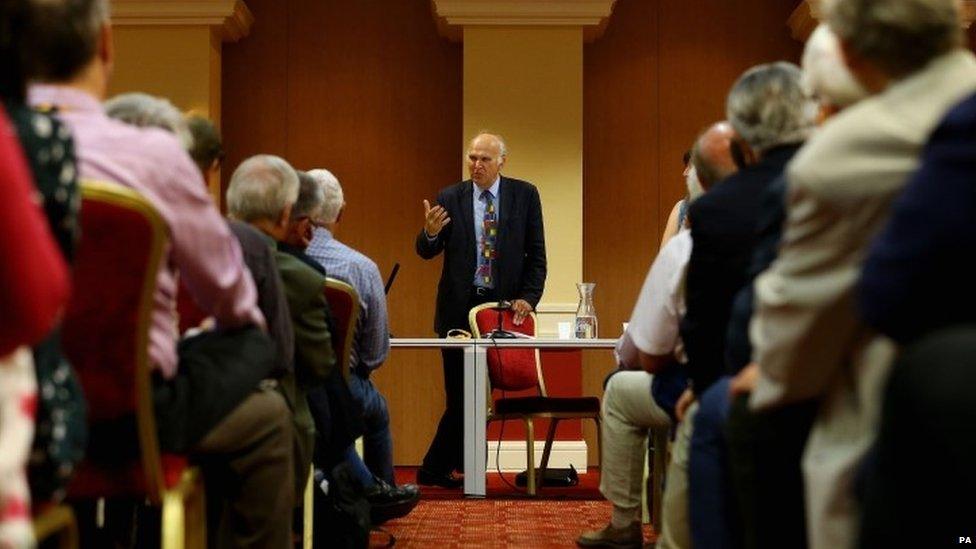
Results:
x,y
489,235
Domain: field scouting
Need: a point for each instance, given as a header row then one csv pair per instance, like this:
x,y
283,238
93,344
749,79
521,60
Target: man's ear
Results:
x,y
306,231
501,162
285,218
339,215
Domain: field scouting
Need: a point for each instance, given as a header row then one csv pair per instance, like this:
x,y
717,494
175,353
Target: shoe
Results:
x,y
444,480
629,537
388,502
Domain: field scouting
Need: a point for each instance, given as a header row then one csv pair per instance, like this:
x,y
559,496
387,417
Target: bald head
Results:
x,y
485,158
711,156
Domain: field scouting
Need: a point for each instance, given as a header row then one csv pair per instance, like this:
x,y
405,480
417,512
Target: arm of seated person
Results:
x,y
629,357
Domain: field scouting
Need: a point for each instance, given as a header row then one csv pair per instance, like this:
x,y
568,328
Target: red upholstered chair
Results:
x,y
521,369
344,303
106,337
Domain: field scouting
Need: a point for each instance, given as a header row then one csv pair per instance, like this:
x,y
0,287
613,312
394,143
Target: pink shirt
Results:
x,y
201,248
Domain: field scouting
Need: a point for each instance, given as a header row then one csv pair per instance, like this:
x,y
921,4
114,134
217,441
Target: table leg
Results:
x,y
475,417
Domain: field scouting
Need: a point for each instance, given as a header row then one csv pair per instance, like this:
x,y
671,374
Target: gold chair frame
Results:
x,y
184,505
308,512
534,481
345,355
57,521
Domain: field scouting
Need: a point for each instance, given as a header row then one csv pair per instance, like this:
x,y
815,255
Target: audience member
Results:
x,y
60,433
263,192
643,395
676,219
766,106
144,110
33,290
915,289
34,280
826,77
371,345
207,150
242,434
809,339
765,448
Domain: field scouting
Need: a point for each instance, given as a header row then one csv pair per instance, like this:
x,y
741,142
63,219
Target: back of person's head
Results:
x,y
767,107
310,197
262,187
332,190
898,36
207,148
65,36
144,110
711,156
825,76
13,50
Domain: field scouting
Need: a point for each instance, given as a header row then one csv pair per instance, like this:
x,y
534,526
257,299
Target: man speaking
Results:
x,y
490,230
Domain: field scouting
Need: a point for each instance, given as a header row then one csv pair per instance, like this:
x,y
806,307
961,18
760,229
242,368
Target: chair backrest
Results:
x,y
106,326
508,369
344,303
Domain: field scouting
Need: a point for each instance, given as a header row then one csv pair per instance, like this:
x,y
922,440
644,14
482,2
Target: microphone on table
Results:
x,y
499,332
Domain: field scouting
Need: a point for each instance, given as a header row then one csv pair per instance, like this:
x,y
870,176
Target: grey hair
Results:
x,y
334,199
502,147
825,75
144,110
311,196
899,36
767,107
261,188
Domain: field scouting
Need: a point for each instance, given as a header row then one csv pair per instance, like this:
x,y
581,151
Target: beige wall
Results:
x,y
527,85
181,63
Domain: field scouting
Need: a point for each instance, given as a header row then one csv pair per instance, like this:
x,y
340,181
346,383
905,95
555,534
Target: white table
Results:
x,y
476,390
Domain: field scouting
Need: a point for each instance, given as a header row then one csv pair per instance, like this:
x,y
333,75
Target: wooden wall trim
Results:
x,y
231,18
453,15
808,14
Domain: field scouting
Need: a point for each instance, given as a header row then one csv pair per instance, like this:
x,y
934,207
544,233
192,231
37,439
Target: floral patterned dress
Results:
x,y
61,428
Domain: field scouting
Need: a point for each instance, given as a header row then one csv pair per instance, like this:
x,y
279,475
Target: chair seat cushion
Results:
x,y
541,405
92,480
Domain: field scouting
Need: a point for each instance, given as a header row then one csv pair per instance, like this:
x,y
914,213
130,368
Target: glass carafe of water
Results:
x,y
586,324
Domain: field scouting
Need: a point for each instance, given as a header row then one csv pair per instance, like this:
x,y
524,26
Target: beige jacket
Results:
x,y
807,335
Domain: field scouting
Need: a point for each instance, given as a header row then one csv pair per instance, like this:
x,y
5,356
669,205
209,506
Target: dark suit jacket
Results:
x,y
258,252
520,269
723,230
738,351
918,276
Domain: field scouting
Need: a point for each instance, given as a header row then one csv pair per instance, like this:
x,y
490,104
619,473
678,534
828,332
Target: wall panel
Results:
x,y
370,91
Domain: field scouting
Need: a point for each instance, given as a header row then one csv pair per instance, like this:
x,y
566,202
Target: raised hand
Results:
x,y
434,219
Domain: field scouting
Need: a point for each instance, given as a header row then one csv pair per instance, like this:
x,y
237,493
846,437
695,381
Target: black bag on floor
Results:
x,y
342,515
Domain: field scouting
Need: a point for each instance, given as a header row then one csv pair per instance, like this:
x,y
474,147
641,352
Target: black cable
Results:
x,y
501,431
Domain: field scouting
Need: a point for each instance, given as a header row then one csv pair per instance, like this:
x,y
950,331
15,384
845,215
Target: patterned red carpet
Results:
x,y
504,519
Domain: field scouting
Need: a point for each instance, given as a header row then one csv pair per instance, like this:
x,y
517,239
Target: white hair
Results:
x,y
825,75
261,188
767,106
144,110
502,148
334,198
